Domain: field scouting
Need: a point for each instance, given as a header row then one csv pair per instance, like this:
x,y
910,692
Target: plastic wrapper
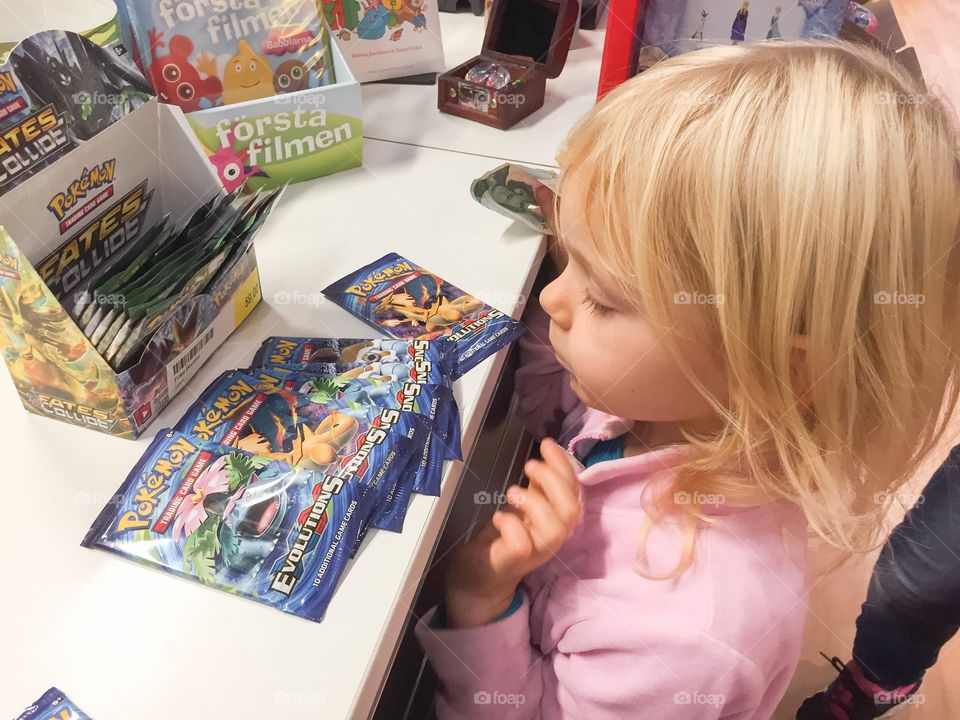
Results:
x,y
201,55
263,414
251,526
53,705
407,301
382,359
435,402
122,305
510,190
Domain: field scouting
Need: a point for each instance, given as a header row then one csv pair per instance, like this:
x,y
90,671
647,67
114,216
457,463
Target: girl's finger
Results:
x,y
564,499
554,456
514,544
546,529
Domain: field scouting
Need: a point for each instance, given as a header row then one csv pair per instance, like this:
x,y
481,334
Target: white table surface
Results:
x,y
412,117
127,641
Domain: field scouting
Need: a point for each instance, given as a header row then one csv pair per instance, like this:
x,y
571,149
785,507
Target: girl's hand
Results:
x,y
484,575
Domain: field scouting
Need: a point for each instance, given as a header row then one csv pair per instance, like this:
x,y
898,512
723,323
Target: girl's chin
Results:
x,y
579,390
589,399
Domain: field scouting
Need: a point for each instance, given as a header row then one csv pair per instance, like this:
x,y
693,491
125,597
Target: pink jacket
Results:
x,y
594,639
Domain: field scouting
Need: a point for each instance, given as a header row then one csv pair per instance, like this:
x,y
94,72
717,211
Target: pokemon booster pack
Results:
x,y
261,414
407,301
246,524
53,705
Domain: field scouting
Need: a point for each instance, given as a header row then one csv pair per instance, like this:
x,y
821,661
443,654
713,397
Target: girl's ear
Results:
x,y
800,379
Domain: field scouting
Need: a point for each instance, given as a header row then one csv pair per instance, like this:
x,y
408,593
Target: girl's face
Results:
x,y
618,362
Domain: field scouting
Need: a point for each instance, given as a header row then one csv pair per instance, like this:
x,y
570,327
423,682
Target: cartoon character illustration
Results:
x,y
176,81
395,11
375,19
362,394
823,17
315,449
343,16
68,71
233,165
388,350
436,313
233,514
45,351
739,29
292,76
251,527
418,18
145,379
774,32
698,33
247,76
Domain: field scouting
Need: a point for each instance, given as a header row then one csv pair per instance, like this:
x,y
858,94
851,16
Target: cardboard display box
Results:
x,y
119,183
289,138
265,142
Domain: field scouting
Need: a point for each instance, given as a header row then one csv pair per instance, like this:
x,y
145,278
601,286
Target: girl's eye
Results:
x,y
595,307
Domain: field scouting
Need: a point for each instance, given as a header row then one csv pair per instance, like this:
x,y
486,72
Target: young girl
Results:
x,y
754,333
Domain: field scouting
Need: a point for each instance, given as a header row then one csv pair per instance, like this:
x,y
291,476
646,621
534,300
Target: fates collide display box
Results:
x,y
66,222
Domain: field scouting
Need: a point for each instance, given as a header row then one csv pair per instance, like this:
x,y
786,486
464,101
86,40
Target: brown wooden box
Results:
x,y
531,39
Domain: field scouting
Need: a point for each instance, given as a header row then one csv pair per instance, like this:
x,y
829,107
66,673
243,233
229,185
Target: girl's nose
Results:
x,y
553,302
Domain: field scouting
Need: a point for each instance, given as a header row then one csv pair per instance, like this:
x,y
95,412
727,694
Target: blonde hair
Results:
x,y
813,190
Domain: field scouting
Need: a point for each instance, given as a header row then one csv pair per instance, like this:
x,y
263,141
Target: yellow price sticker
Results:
x,y
247,297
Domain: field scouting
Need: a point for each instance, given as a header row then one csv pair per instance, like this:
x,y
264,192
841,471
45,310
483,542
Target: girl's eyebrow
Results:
x,y
576,255
611,298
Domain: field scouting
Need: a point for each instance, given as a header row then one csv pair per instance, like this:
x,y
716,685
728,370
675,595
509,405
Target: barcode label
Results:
x,y
181,365
181,369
